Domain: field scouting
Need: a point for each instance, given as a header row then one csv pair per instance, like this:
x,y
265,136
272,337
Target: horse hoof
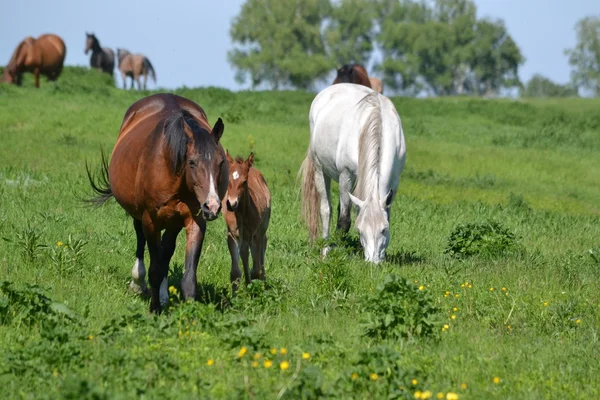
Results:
x,y
139,289
325,251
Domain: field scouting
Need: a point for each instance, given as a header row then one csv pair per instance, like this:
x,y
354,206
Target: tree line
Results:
x,y
438,47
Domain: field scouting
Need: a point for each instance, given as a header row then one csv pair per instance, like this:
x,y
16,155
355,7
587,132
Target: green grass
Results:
x,y
532,166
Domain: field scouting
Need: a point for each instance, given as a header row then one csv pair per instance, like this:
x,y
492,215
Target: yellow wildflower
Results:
x,y
273,351
447,293
470,286
305,356
426,395
418,394
462,285
268,364
254,364
59,244
457,295
496,380
354,376
242,352
91,337
440,395
284,365
257,356
373,376
210,362
463,386
491,289
504,289
414,382
545,304
421,287
578,321
173,290
455,309
283,351
453,316
451,396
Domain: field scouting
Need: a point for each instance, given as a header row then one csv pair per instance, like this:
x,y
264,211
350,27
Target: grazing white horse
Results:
x,y
356,139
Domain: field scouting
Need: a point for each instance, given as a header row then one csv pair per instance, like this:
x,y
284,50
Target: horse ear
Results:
x,y
229,158
387,202
357,202
218,129
250,160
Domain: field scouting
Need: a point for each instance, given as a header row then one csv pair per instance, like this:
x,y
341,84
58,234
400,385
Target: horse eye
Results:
x,y
192,163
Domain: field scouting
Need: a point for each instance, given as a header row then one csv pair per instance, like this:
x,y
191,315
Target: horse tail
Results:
x,y
310,197
150,68
102,186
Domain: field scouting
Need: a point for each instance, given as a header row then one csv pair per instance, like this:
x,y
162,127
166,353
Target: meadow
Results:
x,y
490,288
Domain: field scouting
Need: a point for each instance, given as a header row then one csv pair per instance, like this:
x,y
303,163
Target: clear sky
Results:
x,y
187,41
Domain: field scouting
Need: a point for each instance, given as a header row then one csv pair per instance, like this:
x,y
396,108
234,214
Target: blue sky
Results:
x,y
187,41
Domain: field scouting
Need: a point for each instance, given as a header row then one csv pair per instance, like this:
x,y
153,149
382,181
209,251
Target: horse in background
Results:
x,y
102,59
247,214
168,171
352,73
376,84
356,138
134,66
44,55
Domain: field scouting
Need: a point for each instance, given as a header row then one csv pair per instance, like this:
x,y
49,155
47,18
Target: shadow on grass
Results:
x,y
404,258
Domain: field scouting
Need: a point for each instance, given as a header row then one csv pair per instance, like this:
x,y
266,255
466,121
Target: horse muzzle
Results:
x,y
232,205
210,212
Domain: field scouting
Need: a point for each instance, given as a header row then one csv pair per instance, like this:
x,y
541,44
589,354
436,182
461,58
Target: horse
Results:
x,y
102,59
376,84
352,73
247,213
168,171
44,55
356,138
133,66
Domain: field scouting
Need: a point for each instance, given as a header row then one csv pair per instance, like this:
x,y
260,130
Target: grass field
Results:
x,y
519,321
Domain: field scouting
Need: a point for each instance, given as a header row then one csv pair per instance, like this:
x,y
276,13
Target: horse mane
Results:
x,y
369,147
177,139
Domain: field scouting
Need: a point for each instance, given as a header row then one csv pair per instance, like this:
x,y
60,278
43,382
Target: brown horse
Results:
x,y
352,73
168,171
44,55
376,84
102,59
134,66
247,213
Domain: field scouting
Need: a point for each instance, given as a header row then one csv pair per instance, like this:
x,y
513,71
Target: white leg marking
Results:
x,y
138,273
163,294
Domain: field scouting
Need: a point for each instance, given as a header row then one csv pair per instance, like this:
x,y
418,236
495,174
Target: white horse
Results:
x,y
356,139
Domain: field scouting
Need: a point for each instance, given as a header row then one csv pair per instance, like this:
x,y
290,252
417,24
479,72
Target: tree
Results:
x,y
585,57
540,86
280,42
349,35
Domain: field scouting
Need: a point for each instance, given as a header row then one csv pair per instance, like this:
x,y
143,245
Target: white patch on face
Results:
x,y
235,175
163,293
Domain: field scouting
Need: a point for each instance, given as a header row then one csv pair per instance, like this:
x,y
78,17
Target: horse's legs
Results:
x,y
236,273
244,256
138,273
124,76
259,243
152,235
36,73
168,243
195,230
345,206
145,81
323,184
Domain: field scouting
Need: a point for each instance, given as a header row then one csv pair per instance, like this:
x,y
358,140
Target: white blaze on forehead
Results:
x,y
235,175
212,193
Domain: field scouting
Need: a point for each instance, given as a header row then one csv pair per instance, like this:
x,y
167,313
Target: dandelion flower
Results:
x,y
284,365
91,337
455,309
254,364
463,386
451,396
210,362
470,286
421,287
462,285
545,304
457,295
496,380
447,293
578,321
453,316
504,289
305,356
257,356
268,364
173,290
59,244
283,351
418,394
491,289
440,395
373,376
242,352
354,376
273,351
414,382
426,395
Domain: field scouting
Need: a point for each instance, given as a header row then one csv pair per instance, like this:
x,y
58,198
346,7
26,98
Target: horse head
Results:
x,y
346,74
198,154
90,42
7,76
373,225
238,179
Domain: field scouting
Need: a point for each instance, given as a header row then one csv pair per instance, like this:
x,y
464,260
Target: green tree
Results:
x,y
280,42
585,57
540,86
349,34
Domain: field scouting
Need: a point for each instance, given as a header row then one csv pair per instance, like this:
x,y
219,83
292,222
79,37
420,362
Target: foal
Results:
x,y
247,213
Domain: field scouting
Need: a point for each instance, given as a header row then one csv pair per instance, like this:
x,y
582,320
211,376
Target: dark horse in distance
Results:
x,y
44,55
352,73
169,171
102,59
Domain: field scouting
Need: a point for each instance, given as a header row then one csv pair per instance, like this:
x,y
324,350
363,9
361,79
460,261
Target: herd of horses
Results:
x,y
46,56
169,171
